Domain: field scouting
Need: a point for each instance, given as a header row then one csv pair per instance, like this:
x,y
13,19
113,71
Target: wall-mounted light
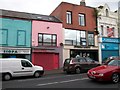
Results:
x,y
48,27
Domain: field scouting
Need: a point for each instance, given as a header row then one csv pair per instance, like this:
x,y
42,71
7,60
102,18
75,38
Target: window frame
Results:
x,y
43,42
80,17
69,17
90,40
28,63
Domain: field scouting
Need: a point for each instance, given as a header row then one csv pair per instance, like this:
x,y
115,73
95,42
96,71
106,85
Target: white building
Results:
x,y
107,24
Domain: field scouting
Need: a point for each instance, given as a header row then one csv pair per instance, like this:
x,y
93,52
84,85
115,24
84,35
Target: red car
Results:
x,y
110,71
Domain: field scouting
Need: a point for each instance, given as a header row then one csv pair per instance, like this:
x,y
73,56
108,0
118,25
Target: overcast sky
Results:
x,y
45,7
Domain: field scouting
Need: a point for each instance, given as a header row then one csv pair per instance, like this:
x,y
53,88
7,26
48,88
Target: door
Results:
x,y
91,63
83,64
27,68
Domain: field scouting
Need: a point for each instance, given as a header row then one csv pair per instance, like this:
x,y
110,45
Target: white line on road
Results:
x,y
48,78
60,82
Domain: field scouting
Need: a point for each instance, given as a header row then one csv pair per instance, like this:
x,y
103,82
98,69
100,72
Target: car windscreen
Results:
x,y
114,63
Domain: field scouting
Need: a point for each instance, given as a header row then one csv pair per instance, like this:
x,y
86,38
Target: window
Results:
x,y
81,18
69,17
90,38
75,37
83,38
113,31
21,37
25,63
102,30
89,59
107,14
82,60
47,39
110,32
3,36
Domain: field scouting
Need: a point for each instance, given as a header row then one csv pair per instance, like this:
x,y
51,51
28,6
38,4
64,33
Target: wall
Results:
x,y
41,27
76,9
12,26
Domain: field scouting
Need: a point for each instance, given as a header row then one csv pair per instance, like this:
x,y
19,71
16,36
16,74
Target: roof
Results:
x,y
30,16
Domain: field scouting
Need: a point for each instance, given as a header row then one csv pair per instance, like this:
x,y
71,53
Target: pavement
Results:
x,y
55,71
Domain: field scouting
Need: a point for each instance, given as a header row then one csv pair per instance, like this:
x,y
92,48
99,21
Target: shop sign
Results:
x,y
110,46
15,51
110,40
10,51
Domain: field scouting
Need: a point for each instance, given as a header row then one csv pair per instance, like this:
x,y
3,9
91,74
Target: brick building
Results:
x,y
79,24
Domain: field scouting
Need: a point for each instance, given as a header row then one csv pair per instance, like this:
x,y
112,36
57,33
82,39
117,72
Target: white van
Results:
x,y
15,67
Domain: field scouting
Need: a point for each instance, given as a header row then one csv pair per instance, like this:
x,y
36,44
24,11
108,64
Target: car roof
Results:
x,y
12,59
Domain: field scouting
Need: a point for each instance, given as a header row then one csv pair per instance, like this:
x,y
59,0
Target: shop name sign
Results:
x,y
10,51
14,51
111,40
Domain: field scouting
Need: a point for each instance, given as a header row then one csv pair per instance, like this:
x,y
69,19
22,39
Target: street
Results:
x,y
57,81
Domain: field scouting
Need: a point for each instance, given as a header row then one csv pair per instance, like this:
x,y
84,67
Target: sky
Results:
x,y
45,7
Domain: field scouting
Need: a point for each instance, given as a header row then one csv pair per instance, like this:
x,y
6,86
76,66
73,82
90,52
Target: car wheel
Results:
x,y
7,76
77,70
115,78
37,74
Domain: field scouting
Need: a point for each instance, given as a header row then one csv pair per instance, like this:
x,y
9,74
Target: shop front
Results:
x,y
109,47
8,52
72,51
49,58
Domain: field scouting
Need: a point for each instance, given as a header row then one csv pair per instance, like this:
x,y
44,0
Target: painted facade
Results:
x,y
45,52
108,29
15,38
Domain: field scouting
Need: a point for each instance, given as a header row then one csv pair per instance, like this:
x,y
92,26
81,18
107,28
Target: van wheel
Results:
x,y
7,76
37,74
115,78
77,70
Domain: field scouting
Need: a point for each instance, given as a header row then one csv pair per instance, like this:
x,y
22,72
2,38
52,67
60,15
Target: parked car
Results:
x,y
79,64
108,72
15,67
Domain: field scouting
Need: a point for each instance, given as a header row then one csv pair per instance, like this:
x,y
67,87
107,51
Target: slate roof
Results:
x,y
30,16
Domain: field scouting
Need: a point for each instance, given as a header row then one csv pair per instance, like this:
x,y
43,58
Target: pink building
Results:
x,y
47,36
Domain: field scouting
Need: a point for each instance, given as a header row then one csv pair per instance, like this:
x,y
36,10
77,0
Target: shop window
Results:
x,y
69,17
47,39
3,36
21,37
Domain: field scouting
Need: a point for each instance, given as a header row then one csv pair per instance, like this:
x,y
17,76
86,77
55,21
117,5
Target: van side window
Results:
x,y
25,63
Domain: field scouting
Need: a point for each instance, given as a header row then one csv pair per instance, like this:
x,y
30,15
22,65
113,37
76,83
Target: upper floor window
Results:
x,y
47,39
90,38
81,18
102,30
75,37
107,13
110,32
3,36
21,37
69,17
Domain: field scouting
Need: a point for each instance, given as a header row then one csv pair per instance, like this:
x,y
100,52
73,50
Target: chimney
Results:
x,y
82,3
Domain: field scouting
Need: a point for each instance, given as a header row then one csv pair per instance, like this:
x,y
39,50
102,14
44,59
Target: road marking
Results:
x,y
49,77
60,82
